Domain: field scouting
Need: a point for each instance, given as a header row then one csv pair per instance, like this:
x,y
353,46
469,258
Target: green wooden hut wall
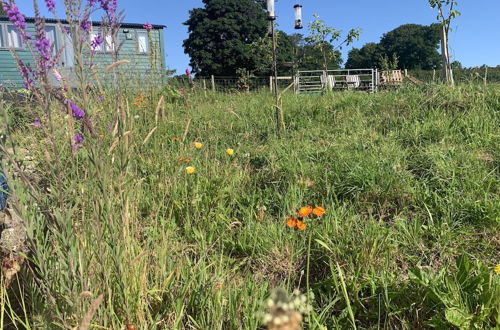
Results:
x,y
140,65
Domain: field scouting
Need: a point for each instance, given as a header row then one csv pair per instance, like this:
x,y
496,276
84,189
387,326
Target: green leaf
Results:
x,y
458,318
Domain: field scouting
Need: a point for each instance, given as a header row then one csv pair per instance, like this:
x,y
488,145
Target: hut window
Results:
x,y
143,42
94,35
50,32
13,37
2,44
110,45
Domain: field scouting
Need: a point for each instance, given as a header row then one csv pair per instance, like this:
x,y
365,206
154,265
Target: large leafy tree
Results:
x,y
365,57
415,45
220,35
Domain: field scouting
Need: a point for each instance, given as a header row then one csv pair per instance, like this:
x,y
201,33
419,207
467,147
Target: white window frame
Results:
x,y
7,45
3,42
92,36
56,37
109,45
148,46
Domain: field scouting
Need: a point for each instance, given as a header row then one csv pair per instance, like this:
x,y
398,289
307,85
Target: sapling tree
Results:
x,y
446,13
322,37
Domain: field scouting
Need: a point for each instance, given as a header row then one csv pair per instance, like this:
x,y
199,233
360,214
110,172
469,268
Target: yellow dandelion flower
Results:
x,y
198,145
230,152
190,170
497,269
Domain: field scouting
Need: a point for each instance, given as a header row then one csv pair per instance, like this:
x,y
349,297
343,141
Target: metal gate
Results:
x,y
318,81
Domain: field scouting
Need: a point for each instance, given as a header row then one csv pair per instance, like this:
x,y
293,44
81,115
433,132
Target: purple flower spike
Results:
x,y
16,18
51,5
85,25
77,142
78,113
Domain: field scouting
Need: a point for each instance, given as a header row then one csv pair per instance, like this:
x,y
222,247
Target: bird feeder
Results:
x,y
298,17
270,9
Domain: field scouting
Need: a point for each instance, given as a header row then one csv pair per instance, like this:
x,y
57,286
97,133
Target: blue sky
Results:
x,y
475,39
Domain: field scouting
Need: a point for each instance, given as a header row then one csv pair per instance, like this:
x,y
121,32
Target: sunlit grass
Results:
x,y
181,217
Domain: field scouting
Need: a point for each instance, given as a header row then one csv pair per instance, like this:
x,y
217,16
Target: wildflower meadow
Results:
x,y
148,205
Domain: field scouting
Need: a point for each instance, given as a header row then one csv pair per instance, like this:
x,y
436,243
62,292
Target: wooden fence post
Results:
x,y
213,83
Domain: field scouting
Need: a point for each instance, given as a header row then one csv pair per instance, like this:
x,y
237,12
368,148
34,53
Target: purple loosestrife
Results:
x,y
27,75
51,5
16,18
77,142
77,113
85,25
109,6
96,43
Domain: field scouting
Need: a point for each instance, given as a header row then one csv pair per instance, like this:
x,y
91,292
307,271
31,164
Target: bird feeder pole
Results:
x,y
278,113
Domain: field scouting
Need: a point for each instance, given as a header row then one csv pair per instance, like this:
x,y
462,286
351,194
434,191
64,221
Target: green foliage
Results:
x,y
441,5
388,64
220,34
467,298
366,57
322,37
415,46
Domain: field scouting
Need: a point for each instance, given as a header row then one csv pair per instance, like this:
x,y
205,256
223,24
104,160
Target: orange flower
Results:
x,y
301,225
292,222
186,160
175,139
305,211
319,211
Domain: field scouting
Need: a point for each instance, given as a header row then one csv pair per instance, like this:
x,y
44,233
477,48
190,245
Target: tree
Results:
x,y
446,13
2,11
367,57
220,35
416,46
321,38
287,49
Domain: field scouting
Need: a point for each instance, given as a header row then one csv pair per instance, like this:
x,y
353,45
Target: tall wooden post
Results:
x,y
278,112
213,82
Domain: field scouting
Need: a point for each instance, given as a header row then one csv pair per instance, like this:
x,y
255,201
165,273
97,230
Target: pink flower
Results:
x,y
148,26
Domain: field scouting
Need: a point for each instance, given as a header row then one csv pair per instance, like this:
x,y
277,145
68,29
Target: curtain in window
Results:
x,y
13,37
142,39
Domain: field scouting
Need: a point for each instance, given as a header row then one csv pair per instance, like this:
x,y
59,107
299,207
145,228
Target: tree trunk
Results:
x,y
448,72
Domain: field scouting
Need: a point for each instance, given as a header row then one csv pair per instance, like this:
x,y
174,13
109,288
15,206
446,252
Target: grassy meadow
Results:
x,y
122,237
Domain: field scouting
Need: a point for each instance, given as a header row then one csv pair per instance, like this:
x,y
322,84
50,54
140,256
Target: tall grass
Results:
x,y
409,179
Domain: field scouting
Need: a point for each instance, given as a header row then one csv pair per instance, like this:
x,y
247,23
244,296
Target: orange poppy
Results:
x,y
305,211
301,225
292,222
175,139
319,211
